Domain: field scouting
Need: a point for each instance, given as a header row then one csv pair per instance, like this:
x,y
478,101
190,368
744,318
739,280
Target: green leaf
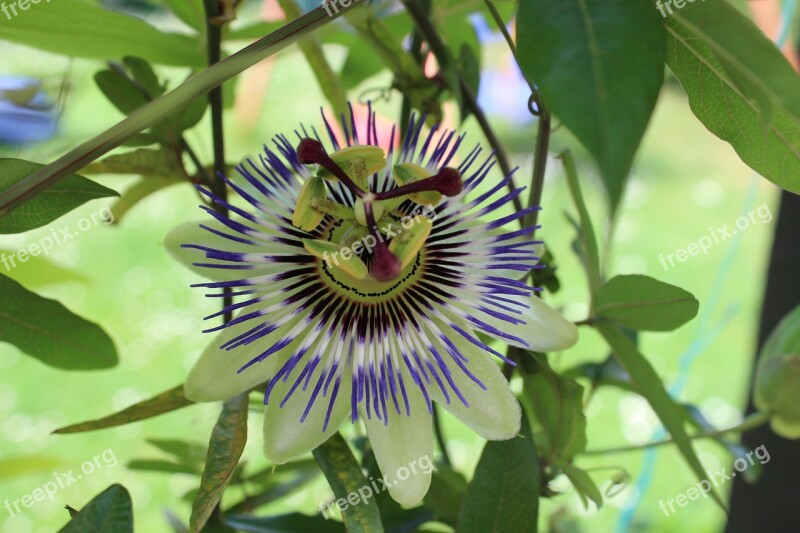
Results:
x,y
345,477
128,96
287,523
166,105
756,66
80,28
144,75
165,402
362,62
160,465
648,384
409,76
224,450
778,375
139,191
556,404
643,303
504,494
696,418
583,483
606,373
48,331
120,90
785,338
599,67
109,512
446,494
276,483
740,87
158,163
191,12
48,205
185,452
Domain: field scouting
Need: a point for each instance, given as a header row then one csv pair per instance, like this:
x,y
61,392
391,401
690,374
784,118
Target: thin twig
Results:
x,y
214,51
752,421
437,430
440,51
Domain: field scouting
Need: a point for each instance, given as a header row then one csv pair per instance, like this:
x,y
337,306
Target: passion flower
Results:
x,y
362,279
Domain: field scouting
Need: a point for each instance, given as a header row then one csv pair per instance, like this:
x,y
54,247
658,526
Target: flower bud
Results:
x,y
777,392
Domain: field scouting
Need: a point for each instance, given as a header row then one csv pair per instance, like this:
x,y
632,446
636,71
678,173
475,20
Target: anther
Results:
x,y
311,151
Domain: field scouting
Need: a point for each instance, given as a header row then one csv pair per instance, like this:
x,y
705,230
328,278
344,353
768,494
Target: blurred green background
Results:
x,y
684,181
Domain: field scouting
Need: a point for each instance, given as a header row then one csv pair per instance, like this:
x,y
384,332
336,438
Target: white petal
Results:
x,y
543,328
190,233
404,447
215,376
285,437
493,413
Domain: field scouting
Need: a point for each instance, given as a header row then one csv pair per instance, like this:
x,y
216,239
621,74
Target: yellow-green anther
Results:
x,y
361,215
337,256
305,216
373,159
353,235
358,172
406,173
414,237
335,209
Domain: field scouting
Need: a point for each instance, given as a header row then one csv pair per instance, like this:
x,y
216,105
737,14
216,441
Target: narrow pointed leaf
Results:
x,y
644,303
81,28
588,241
345,477
165,402
109,512
739,86
504,494
556,404
584,485
166,105
649,385
286,523
600,67
224,450
59,200
48,331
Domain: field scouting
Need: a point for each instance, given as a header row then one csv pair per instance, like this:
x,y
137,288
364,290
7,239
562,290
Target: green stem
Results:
x,y
328,80
165,106
752,421
214,51
416,53
501,25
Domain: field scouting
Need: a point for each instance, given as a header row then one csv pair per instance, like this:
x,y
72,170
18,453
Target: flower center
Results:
x,y
370,247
